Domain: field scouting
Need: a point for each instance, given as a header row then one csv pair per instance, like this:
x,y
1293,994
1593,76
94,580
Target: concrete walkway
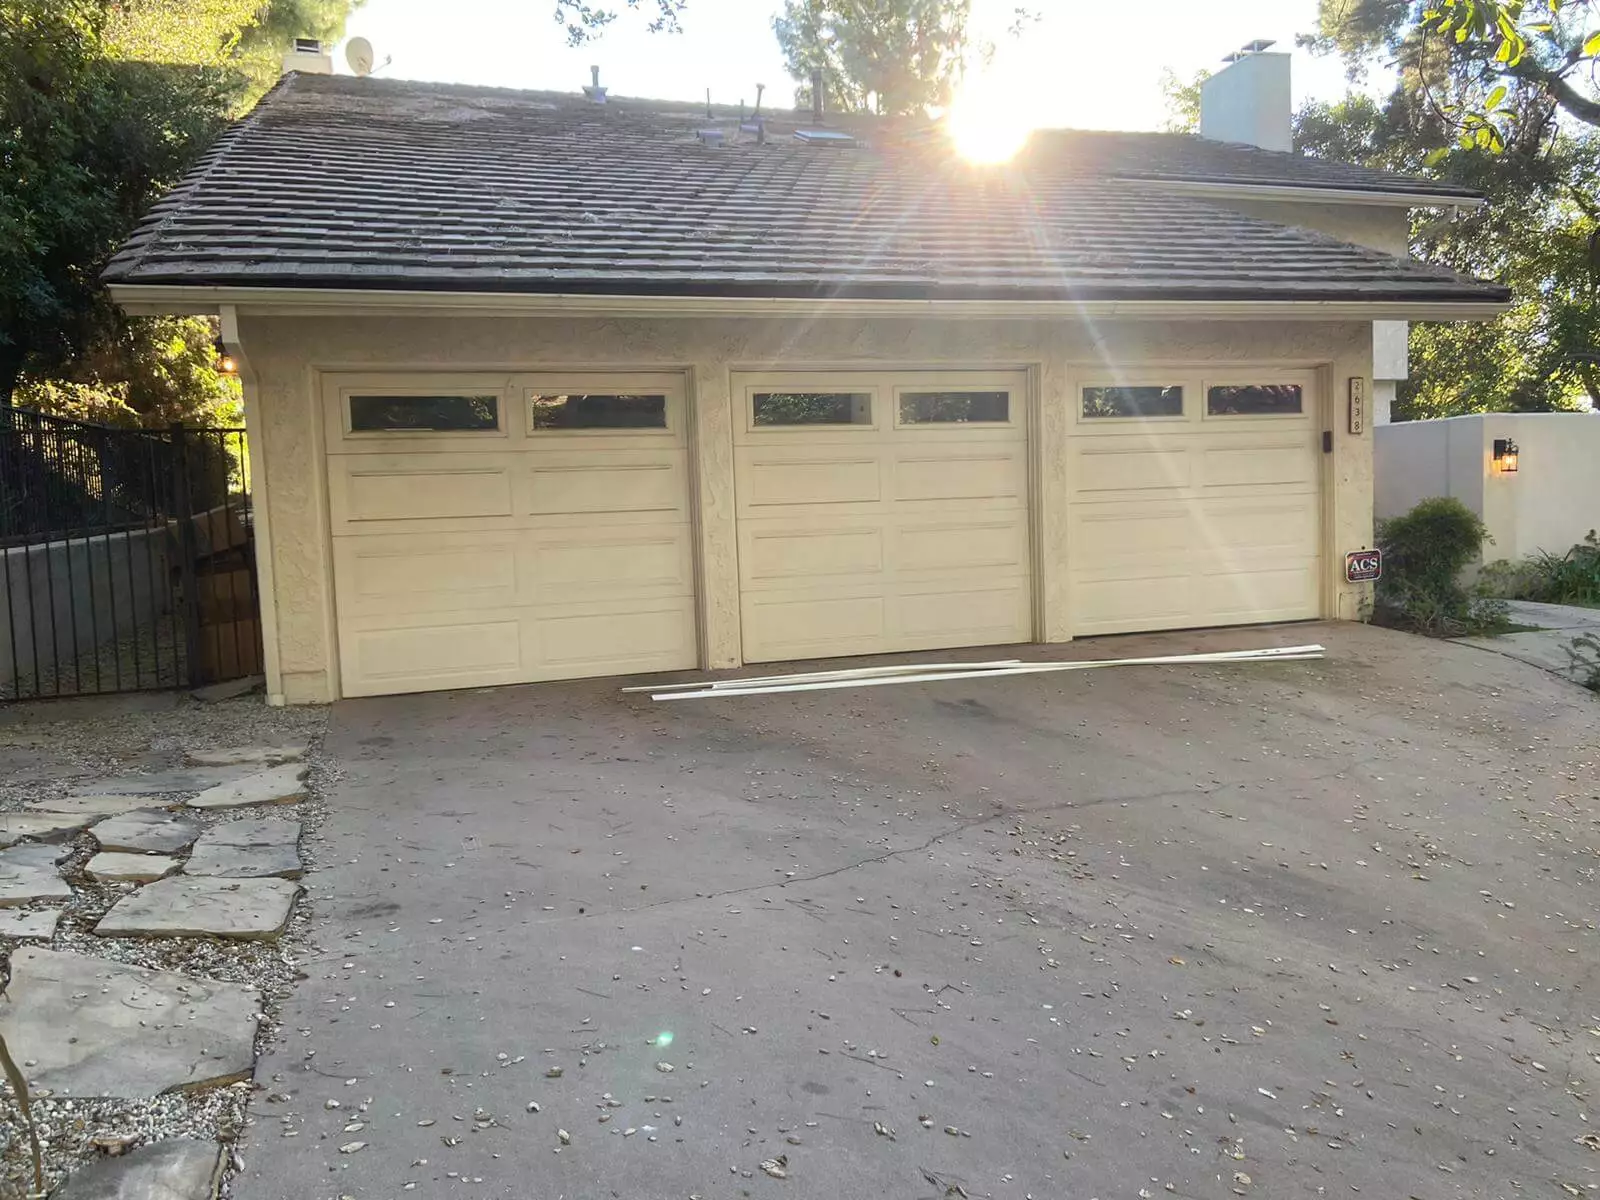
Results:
x,y
1546,646
1270,930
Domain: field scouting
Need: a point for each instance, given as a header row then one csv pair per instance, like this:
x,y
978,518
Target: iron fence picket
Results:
x,y
74,494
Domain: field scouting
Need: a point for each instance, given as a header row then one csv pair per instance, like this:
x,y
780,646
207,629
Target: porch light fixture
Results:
x,y
226,363
1505,456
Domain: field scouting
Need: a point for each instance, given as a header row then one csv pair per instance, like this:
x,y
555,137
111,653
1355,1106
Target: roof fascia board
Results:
x,y
164,299
1308,193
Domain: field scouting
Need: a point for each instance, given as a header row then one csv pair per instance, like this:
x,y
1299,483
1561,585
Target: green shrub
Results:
x,y
1424,553
1570,578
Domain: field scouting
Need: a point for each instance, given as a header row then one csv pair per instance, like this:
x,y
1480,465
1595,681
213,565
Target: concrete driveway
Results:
x,y
1302,929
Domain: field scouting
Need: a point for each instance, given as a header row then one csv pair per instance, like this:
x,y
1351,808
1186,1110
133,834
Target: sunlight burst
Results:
x,y
989,122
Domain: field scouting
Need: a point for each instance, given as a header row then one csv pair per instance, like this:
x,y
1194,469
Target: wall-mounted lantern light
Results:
x,y
226,363
1505,456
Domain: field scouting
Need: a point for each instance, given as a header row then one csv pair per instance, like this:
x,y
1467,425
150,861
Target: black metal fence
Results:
x,y
125,557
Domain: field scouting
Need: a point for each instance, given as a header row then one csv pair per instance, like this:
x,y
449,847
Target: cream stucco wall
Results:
x,y
1385,227
285,355
1548,504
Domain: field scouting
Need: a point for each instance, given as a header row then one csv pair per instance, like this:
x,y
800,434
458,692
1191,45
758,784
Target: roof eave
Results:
x,y
161,299
1312,193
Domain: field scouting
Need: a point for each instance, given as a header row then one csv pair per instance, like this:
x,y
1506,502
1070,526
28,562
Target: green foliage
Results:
x,y
1570,578
891,57
153,372
1538,234
1424,553
584,21
107,103
1183,101
1471,56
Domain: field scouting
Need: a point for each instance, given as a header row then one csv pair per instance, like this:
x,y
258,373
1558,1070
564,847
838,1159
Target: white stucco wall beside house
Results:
x,y
1548,504
286,357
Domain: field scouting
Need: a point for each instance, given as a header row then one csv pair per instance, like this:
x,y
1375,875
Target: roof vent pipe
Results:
x,y
593,90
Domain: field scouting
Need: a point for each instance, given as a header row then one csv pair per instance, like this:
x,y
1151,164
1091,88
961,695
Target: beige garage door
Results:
x,y
507,529
1195,499
881,512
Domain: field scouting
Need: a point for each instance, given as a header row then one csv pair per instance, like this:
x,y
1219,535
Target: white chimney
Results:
x,y
308,58
1248,100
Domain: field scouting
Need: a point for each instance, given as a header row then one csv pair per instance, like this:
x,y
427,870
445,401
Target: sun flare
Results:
x,y
989,123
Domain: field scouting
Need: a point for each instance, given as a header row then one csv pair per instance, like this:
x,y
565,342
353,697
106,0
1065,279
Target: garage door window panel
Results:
x,y
1125,402
597,412
953,408
810,409
1255,400
432,414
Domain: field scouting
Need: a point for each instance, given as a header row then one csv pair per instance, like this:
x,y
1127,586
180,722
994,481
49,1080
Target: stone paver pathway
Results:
x,y
254,909
40,924
276,785
152,830
28,872
93,1027
177,1169
256,756
250,848
115,866
92,804
42,825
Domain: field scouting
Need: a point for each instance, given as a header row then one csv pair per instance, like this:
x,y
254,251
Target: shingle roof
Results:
x,y
372,183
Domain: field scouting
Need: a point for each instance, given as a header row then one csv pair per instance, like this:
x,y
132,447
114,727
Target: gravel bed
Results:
x,y
151,656
83,741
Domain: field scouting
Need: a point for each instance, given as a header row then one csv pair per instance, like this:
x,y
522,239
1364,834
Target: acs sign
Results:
x,y
1363,566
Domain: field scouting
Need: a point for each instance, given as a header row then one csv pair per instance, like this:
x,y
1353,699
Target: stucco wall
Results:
x,y
1549,504
1382,227
283,356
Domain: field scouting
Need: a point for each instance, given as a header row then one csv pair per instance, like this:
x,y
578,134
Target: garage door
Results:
x,y
1195,500
881,512
491,530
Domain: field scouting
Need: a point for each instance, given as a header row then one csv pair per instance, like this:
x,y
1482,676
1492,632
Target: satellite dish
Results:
x,y
358,53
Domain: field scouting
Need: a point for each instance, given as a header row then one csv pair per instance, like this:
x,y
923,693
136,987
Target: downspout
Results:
x,y
260,507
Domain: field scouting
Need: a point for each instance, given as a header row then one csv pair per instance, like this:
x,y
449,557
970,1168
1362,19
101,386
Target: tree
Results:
x,y
1469,57
584,21
1538,234
106,104
891,57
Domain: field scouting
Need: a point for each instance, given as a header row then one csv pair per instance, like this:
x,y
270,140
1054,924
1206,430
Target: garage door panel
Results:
x,y
1262,594
563,572
1245,531
960,477
810,553
955,617
418,574
769,481
962,547
1113,602
813,624
1134,529
1233,466
1197,521
601,485
535,557
882,536
453,653
1124,468
598,643
411,487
